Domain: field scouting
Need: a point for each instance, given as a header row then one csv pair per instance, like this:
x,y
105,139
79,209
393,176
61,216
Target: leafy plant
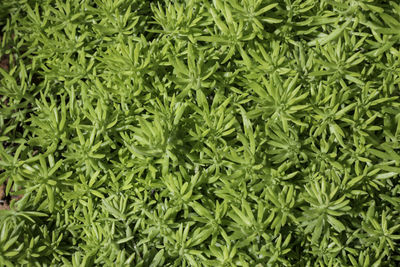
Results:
x,y
199,133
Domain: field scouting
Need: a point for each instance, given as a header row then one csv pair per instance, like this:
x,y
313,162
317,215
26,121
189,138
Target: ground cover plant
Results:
x,y
200,133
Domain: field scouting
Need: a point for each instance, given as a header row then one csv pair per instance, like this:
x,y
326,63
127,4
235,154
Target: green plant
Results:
x,y
200,133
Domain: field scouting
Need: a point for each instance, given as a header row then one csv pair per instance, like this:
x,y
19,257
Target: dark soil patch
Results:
x,y
4,62
6,199
4,204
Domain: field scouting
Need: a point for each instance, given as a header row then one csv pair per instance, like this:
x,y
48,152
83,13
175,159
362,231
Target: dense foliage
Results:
x,y
200,133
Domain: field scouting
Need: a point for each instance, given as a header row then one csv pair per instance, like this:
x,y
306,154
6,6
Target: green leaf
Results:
x,y
336,223
158,259
332,36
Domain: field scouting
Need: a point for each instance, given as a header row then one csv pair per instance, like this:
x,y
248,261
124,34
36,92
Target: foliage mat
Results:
x,y
200,133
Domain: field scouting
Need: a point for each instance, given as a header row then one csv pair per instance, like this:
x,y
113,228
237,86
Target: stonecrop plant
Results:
x,y
200,133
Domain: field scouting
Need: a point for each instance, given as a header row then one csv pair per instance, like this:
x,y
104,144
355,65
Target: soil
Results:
x,y
4,62
4,204
6,199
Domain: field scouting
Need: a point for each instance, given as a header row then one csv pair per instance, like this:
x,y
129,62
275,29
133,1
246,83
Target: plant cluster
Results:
x,y
200,133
